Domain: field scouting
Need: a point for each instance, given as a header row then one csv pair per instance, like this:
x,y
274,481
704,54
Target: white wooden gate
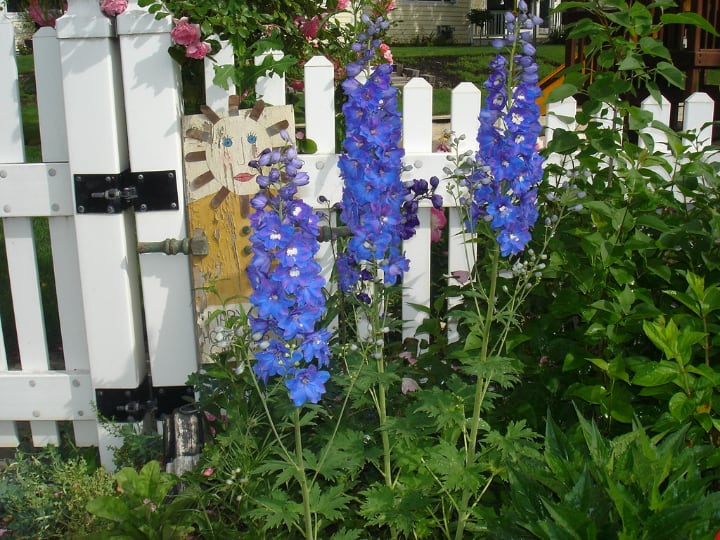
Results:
x,y
109,101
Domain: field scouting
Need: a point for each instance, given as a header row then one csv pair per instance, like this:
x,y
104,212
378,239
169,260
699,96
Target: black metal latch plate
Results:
x,y
112,193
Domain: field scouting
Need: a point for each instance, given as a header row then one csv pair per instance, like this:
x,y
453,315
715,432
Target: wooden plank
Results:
x,y
50,184
56,395
417,138
320,103
465,103
661,113
220,207
153,103
25,289
699,111
63,237
106,243
417,116
11,151
416,281
270,88
216,97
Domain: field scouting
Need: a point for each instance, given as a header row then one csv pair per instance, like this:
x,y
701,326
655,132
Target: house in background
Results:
x,y
445,21
24,27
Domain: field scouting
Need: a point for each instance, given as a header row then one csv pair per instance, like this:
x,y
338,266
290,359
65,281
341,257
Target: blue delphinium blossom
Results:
x,y
503,186
377,207
287,297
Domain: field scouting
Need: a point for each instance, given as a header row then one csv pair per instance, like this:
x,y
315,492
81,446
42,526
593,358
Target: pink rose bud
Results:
x,y
185,33
198,50
114,7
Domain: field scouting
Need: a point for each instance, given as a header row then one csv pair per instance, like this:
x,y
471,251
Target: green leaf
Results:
x,y
688,17
654,47
564,142
594,394
671,74
656,374
663,336
681,406
109,507
561,92
223,75
631,62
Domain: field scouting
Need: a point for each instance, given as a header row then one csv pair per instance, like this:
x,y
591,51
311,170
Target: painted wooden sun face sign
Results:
x,y
217,151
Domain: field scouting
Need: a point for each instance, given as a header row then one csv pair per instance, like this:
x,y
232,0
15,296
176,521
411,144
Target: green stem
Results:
x,y
480,391
382,413
300,464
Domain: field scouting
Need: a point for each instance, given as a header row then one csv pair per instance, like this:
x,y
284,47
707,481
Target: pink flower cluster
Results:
x,y
188,35
113,7
310,27
386,53
43,16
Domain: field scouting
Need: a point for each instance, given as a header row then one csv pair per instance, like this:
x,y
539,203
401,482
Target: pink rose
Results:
x,y
185,33
43,16
437,223
310,28
409,385
197,50
114,7
343,4
386,52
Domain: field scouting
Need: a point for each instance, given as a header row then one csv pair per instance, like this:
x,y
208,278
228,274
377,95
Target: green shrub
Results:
x,y
44,495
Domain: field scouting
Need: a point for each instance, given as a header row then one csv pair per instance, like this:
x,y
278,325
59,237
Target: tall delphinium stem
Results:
x,y
373,195
287,298
302,478
502,187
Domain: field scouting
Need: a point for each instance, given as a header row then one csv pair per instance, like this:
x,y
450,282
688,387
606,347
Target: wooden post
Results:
x,y
465,105
151,83
63,237
11,151
97,144
699,111
417,139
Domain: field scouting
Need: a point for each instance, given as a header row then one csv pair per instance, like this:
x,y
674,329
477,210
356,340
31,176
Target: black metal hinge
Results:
x,y
113,193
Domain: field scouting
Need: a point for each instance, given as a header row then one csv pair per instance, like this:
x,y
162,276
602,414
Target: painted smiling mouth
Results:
x,y
243,177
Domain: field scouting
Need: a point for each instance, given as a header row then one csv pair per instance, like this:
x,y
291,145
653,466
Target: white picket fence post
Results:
x,y
417,139
153,104
11,151
320,127
465,103
63,235
97,145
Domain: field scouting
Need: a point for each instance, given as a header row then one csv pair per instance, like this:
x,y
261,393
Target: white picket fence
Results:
x,y
109,100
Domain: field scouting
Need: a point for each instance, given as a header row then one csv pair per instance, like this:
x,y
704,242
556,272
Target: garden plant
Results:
x,y
564,385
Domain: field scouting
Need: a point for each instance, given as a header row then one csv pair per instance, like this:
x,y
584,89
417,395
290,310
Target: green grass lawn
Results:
x,y
471,64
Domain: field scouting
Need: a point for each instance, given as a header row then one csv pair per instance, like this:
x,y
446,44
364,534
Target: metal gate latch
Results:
x,y
197,245
112,193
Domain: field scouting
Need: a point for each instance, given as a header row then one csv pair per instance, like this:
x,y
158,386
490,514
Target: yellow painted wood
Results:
x,y
219,185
